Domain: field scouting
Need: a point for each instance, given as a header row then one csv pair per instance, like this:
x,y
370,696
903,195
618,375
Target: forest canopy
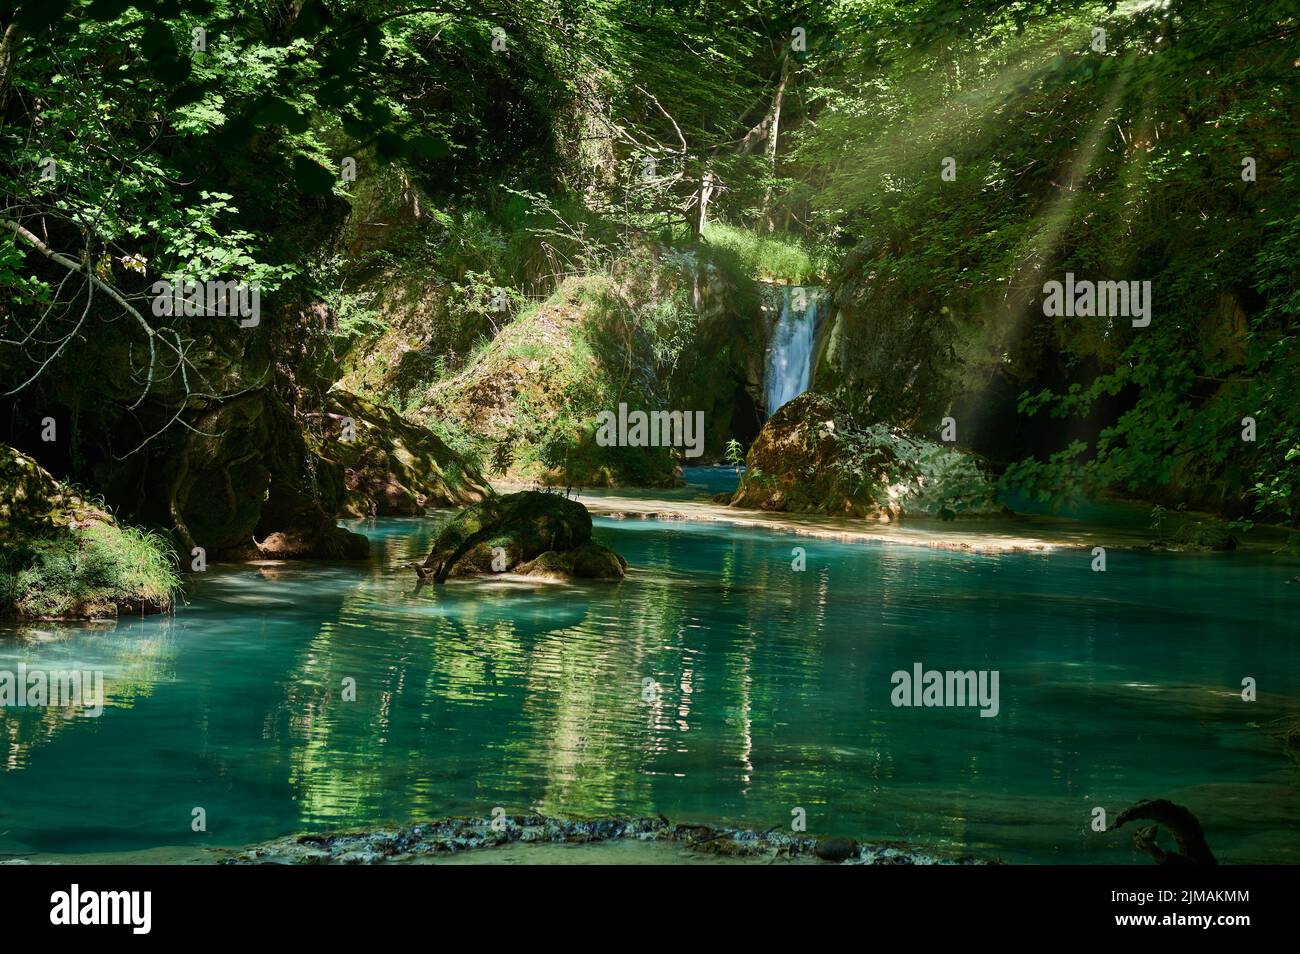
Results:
x,y
931,164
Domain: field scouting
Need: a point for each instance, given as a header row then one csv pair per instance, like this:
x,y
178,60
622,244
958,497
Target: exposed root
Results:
x,y
1181,823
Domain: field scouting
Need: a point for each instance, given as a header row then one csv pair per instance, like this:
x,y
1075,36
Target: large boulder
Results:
x,y
532,532
243,485
387,466
811,457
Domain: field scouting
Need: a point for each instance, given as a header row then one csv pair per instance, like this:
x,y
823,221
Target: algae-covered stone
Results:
x,y
590,561
505,533
529,400
596,562
384,465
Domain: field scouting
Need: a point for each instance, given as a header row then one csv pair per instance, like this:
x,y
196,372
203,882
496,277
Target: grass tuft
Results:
x,y
96,571
779,258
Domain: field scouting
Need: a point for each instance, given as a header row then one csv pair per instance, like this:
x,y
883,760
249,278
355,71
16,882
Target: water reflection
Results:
x,y
132,657
772,693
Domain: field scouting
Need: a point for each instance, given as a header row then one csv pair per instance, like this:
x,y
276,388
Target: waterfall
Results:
x,y
789,358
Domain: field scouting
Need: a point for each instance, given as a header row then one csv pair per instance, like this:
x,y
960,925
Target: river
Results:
x,y
717,684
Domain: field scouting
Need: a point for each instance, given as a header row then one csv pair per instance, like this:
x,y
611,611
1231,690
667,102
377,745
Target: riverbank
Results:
x,y
1126,529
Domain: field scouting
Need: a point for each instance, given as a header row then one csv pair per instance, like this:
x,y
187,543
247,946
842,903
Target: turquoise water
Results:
x,y
773,693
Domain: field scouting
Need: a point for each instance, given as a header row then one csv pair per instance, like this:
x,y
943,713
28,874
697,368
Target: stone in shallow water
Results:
x,y
533,533
835,849
590,561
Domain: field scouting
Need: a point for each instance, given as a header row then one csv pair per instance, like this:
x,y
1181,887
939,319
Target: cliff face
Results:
x,y
530,398
1023,386
655,335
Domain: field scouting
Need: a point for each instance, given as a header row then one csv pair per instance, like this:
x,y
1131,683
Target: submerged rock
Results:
x,y
532,532
810,457
835,849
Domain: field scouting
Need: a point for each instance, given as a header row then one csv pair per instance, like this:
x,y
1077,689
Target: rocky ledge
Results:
x,y
812,457
453,835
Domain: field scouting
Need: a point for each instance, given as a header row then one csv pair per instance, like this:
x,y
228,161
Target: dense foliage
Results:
x,y
1120,163
405,181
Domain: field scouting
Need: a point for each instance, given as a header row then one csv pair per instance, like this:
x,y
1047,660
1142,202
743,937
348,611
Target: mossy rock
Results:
x,y
33,503
1193,532
530,399
525,526
596,562
64,558
241,474
386,466
591,561
811,457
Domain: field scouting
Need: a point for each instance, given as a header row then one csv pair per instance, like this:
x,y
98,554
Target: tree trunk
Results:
x,y
765,130
705,194
772,133
8,50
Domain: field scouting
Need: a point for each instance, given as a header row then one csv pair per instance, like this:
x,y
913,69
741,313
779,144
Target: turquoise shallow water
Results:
x,y
773,693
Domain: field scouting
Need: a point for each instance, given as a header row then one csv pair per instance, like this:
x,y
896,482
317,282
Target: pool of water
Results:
x,y
716,684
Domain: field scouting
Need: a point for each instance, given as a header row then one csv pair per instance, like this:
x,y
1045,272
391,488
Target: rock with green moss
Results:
x,y
1182,530
383,465
591,561
33,503
541,534
63,557
530,399
811,457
